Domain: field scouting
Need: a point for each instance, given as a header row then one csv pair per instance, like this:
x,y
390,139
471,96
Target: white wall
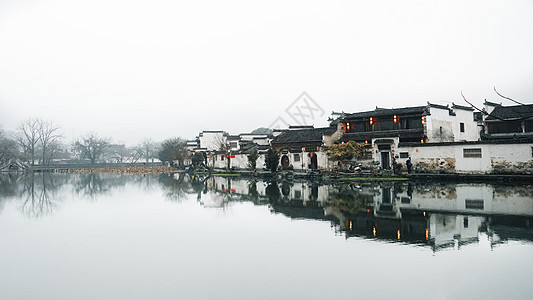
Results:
x,y
439,126
212,140
443,127
451,157
472,130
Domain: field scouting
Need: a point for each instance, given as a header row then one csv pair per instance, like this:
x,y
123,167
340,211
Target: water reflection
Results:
x,y
440,216
434,215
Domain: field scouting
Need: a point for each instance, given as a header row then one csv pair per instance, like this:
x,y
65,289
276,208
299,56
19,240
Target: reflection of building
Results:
x,y
440,215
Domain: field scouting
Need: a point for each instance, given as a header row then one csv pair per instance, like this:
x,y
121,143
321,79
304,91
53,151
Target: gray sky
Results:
x,y
133,69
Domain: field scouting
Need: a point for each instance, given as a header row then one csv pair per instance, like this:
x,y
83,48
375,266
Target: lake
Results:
x,y
111,236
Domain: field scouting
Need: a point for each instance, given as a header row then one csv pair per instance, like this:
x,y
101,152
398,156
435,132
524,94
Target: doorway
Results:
x,y
385,160
314,161
285,162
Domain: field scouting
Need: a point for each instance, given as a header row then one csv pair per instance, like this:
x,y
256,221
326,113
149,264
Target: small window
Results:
x,y
296,157
472,153
474,204
404,154
462,127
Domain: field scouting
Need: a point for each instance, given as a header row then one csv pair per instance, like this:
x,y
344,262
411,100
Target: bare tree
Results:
x,y
519,103
119,153
136,153
174,149
91,146
49,137
224,147
8,148
148,148
28,137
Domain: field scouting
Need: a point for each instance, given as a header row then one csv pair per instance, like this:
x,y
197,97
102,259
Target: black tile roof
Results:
x,y
303,135
378,112
455,106
404,133
510,113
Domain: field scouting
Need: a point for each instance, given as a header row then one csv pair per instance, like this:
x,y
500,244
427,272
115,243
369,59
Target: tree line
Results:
x,y
39,142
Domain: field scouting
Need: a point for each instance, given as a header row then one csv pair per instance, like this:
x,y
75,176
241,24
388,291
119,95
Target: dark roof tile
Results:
x,y
304,135
511,112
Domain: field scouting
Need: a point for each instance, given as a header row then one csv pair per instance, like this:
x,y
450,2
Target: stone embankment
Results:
x,y
126,170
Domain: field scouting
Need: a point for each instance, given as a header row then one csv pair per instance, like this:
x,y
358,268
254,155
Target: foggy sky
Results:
x,y
135,69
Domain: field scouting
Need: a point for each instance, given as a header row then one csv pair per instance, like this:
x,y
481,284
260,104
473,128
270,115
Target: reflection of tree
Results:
x,y
199,184
175,189
40,191
435,190
252,190
94,184
272,192
348,201
9,184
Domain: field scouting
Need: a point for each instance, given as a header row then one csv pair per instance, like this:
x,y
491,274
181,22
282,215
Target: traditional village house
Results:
x,y
193,145
437,138
395,133
508,122
231,151
302,147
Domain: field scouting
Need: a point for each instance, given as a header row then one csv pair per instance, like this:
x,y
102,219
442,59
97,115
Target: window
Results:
x,y
462,127
404,154
474,204
472,153
233,144
296,157
405,200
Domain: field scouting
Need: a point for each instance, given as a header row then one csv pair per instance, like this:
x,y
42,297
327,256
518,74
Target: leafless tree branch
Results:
x,y
507,97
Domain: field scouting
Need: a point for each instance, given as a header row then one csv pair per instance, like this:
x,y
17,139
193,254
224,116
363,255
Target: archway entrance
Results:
x,y
385,160
314,161
285,162
385,151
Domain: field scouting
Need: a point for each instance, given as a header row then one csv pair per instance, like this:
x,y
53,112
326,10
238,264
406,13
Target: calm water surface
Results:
x,y
103,236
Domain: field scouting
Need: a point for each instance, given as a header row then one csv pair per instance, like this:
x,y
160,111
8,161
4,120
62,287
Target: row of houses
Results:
x,y
437,138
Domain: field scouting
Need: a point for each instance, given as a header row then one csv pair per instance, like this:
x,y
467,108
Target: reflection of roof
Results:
x,y
304,135
316,213
511,112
